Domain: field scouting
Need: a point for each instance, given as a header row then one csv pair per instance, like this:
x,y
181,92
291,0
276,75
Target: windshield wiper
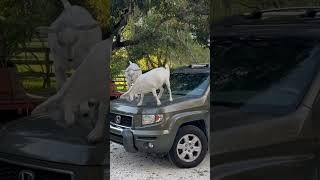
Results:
x,y
180,94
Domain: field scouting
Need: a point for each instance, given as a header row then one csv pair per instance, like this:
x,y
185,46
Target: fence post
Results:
x,y
47,79
120,82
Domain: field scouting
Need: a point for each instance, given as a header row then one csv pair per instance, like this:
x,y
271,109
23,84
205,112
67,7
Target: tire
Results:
x,y
181,152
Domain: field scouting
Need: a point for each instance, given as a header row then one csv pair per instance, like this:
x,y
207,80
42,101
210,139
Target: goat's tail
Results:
x,y
167,67
66,4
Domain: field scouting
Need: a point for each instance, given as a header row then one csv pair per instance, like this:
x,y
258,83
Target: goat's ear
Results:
x,y
130,62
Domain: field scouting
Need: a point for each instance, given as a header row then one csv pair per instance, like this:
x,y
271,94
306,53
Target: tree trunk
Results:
x,y
159,60
150,63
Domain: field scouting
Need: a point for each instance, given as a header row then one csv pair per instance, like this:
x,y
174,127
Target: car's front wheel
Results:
x,y
189,148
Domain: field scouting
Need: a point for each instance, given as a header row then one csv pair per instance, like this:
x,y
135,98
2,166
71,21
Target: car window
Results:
x,y
264,74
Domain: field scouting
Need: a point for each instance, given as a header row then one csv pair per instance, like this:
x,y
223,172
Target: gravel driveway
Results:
x,y
140,166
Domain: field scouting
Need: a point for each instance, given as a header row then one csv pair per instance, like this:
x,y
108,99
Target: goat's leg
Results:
x,y
97,133
61,76
45,106
169,89
128,82
69,115
161,92
141,100
77,112
154,92
92,109
136,97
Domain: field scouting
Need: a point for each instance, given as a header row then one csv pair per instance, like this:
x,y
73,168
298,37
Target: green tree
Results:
x,y
101,10
157,32
19,20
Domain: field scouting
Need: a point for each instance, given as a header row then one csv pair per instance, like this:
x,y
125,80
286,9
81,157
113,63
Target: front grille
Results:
x,y
10,171
124,120
116,138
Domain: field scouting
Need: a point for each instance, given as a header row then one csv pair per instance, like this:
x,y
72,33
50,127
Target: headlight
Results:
x,y
151,119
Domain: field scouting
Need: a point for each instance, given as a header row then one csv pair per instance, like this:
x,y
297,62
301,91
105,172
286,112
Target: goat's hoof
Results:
x,y
139,104
158,104
171,100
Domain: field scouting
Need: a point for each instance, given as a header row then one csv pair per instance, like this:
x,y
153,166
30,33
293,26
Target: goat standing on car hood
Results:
x,y
89,82
150,82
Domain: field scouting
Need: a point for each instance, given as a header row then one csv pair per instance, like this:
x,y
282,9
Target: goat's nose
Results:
x,y
70,60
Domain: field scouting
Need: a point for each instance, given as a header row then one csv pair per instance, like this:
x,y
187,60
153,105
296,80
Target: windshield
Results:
x,y
189,84
264,74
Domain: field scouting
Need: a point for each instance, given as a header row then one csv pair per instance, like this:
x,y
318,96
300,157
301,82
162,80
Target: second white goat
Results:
x,y
132,73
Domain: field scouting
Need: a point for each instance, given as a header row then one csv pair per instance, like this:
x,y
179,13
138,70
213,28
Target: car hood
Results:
x,y
42,138
226,117
235,130
149,104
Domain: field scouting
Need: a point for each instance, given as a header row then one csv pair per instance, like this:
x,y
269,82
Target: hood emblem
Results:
x,y
26,175
118,119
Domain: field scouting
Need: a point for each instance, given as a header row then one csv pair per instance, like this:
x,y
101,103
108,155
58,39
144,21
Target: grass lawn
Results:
x,y
34,86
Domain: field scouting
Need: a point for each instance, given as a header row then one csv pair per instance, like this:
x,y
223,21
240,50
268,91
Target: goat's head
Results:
x,y
68,32
132,73
67,38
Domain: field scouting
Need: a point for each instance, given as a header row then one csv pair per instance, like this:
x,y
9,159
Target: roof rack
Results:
x,y
198,65
306,12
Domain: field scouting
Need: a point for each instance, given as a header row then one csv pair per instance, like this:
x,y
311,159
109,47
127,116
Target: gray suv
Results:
x,y
266,101
178,128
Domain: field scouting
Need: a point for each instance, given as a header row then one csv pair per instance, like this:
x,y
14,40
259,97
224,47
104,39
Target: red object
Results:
x,y
13,96
114,94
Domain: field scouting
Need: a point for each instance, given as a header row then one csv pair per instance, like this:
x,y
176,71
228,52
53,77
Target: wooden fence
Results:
x,y
37,54
46,70
120,81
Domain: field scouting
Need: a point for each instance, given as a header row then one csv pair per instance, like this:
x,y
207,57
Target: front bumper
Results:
x,y
140,140
123,136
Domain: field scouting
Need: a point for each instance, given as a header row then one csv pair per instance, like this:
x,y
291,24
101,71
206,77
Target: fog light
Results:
x,y
150,145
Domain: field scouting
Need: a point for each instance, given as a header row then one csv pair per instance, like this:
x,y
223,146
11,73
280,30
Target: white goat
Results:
x,y
150,82
132,73
89,82
70,38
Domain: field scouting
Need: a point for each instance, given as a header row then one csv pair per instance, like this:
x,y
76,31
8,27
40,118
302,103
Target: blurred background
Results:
x,y
23,38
